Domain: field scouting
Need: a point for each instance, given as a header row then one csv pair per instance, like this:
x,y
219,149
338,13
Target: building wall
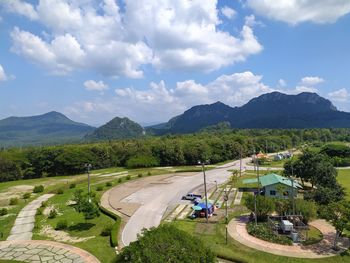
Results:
x,y
279,190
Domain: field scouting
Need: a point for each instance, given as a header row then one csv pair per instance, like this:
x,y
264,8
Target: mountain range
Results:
x,y
272,110
50,128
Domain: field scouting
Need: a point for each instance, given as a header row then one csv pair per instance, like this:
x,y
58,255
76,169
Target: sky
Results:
x,y
150,60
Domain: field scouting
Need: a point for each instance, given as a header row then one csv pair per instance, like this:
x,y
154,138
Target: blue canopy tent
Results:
x,y
210,209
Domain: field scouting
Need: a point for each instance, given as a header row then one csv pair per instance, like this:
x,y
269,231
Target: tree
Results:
x,y
338,214
9,171
264,206
166,244
85,205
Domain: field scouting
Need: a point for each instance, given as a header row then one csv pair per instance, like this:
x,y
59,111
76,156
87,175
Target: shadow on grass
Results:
x,y
81,227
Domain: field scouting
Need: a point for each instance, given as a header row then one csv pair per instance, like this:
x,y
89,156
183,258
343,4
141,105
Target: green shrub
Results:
x,y
263,231
38,189
115,228
44,204
3,211
120,180
142,161
139,175
13,201
26,195
72,185
60,191
109,184
39,211
53,213
61,225
128,177
99,188
265,206
106,231
149,173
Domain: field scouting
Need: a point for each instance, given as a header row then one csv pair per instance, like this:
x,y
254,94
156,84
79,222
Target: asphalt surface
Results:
x,y
155,199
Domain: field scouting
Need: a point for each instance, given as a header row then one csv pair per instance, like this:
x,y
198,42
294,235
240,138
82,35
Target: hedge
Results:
x,y
115,227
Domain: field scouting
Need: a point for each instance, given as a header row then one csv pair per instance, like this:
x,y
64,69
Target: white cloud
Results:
x,y
228,12
299,89
95,85
311,81
20,7
3,76
166,34
159,102
298,11
282,83
340,95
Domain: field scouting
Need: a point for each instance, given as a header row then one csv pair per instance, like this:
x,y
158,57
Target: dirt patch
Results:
x,y
61,236
204,228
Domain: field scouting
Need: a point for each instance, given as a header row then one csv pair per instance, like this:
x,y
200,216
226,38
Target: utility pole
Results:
x,y
226,215
88,166
240,162
205,191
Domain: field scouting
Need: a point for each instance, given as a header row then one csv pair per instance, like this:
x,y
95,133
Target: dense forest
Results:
x,y
170,150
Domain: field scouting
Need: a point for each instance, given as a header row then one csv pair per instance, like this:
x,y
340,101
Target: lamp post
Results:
x,y
205,190
88,166
226,215
216,185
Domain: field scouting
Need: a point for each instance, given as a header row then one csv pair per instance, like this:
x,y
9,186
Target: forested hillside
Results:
x,y
167,150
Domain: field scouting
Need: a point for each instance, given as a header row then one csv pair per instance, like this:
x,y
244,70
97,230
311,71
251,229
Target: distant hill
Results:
x,y
118,128
273,110
49,128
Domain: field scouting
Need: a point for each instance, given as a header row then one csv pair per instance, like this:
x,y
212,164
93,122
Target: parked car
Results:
x,y
286,226
192,197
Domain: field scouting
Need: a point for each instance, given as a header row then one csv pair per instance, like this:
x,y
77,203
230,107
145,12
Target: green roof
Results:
x,y
271,179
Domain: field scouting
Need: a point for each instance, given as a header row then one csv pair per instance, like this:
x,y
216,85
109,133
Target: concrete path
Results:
x,y
24,224
37,251
237,230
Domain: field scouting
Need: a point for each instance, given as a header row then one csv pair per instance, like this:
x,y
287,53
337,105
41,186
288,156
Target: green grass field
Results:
x,y
344,179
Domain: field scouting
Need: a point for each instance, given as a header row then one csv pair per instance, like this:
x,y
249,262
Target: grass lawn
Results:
x,y
314,236
344,179
214,236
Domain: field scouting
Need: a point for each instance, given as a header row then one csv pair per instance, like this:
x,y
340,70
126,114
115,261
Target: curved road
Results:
x,y
156,198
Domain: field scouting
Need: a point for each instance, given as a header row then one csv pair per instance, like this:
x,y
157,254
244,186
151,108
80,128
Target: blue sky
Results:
x,y
151,60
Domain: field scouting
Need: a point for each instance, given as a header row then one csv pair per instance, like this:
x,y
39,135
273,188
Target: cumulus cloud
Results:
x,y
298,11
160,102
166,34
21,8
299,89
340,95
3,76
228,12
95,85
311,81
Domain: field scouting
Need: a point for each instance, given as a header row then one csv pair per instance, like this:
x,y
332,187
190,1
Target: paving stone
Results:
x,y
66,260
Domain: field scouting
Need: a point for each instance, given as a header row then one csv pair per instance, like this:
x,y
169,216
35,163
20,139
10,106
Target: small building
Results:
x,y
276,186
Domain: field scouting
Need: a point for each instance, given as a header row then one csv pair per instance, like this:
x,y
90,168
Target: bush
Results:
x,y
264,206
128,177
60,191
13,201
26,195
139,175
115,228
61,225
3,211
44,204
72,185
106,231
142,161
38,189
39,211
149,173
263,231
120,180
53,213
99,188
109,184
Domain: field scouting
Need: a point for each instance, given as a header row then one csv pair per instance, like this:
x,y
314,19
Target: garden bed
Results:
x,y
263,231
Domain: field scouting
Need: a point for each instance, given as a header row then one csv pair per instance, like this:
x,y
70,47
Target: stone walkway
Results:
x,y
38,251
24,224
237,230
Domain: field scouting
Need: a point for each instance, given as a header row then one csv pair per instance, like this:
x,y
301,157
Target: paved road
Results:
x,y
24,224
156,198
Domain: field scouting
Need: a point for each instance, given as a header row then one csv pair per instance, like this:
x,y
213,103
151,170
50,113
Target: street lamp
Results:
x,y
226,192
216,185
205,190
88,166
